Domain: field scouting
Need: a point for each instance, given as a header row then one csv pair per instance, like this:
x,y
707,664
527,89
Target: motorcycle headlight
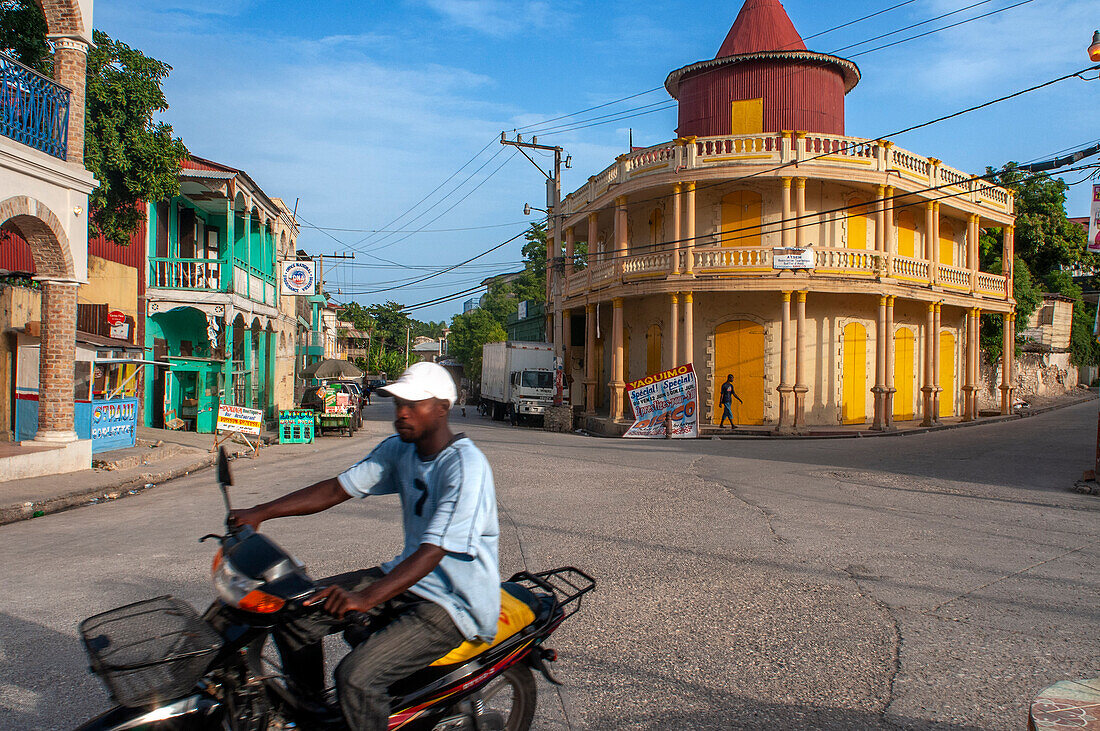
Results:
x,y
238,590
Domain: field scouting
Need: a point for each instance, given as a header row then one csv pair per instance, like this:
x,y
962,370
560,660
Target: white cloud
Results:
x,y
494,17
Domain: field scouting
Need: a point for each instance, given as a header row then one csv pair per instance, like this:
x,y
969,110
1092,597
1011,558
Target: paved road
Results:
x,y
935,581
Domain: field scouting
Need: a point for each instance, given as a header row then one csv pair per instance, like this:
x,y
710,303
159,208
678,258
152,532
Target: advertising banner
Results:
x,y
114,424
674,393
1094,221
297,278
239,419
792,258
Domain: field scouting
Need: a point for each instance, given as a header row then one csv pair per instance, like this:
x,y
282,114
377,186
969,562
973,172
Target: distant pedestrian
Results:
x,y
462,400
728,395
366,392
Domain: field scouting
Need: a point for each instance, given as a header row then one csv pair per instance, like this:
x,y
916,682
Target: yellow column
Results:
x,y
1008,258
799,211
689,226
567,366
689,328
570,247
880,219
929,346
616,383
672,342
677,226
620,233
977,358
937,389
1008,355
891,223
888,400
936,242
879,389
788,224
968,365
929,225
785,386
800,358
590,358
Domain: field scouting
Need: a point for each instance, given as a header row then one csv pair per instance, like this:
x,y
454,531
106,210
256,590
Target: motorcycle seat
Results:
x,y
518,609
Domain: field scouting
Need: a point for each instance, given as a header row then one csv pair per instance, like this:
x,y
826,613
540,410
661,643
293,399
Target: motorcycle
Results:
x,y
168,667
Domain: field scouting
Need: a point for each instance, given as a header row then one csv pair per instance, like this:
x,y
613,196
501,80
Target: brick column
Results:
x,y
590,357
56,357
70,69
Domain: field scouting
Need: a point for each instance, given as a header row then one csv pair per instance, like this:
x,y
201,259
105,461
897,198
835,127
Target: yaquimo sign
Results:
x,y
298,278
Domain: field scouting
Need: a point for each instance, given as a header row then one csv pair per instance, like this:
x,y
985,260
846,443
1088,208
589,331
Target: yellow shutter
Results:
x,y
747,117
854,389
739,349
904,344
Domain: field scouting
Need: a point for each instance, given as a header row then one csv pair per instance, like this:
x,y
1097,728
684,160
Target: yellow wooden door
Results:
x,y
741,212
747,117
857,224
947,374
904,345
739,349
947,243
653,350
656,227
854,388
907,234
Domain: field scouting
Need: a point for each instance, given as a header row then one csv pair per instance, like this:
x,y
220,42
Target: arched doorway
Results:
x,y
857,224
653,350
947,374
739,349
854,387
904,346
741,215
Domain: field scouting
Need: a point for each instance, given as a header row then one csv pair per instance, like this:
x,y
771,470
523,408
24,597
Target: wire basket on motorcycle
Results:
x,y
153,649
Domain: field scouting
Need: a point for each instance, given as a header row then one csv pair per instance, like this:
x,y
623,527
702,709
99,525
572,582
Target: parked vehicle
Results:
x,y
336,406
168,667
517,379
375,382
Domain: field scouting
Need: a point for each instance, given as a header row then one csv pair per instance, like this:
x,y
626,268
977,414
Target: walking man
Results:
x,y
728,395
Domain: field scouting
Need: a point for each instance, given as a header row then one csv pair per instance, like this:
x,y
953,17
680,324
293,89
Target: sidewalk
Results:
x,y
160,455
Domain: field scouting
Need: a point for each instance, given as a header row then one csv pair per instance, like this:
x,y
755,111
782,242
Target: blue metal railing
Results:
x,y
34,110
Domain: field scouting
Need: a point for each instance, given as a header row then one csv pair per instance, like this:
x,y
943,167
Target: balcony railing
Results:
x,y
170,273
814,154
34,110
756,261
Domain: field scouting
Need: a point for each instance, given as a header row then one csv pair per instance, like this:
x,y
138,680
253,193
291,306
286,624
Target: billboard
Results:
x,y
297,278
673,393
240,419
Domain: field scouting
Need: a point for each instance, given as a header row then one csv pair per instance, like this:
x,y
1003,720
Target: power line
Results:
x,y
914,25
946,27
413,230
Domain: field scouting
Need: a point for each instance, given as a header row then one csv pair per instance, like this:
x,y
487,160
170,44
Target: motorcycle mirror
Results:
x,y
225,478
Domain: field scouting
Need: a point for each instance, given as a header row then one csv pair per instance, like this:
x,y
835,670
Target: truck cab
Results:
x,y
532,392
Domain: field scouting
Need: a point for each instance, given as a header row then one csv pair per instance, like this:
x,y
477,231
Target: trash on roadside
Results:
x,y
38,513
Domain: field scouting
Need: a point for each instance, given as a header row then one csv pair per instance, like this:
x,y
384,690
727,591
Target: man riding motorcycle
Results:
x,y
443,588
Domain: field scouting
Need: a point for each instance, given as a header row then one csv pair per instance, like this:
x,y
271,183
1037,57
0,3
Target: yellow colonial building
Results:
x,y
837,278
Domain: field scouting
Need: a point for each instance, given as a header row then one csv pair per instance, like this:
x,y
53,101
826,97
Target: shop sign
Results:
x,y
1094,221
671,394
121,331
298,278
239,419
114,317
791,258
114,424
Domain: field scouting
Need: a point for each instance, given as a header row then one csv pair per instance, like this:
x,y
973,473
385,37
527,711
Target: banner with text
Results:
x,y
672,393
1094,220
240,419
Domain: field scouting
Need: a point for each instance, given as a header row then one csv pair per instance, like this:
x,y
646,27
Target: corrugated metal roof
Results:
x,y
762,25
198,163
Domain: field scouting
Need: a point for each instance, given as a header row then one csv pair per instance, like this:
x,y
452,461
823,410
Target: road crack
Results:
x,y
732,492
854,575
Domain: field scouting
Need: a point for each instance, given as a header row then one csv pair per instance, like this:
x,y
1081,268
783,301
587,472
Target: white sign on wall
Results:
x,y
792,258
297,278
1094,220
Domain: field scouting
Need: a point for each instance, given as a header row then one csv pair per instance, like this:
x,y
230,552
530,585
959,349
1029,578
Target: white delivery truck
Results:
x,y
517,379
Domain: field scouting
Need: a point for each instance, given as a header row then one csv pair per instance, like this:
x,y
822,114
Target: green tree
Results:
x,y
133,157
391,325
470,331
23,34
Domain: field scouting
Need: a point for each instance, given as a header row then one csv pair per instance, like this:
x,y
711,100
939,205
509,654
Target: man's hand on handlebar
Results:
x,y
339,602
245,516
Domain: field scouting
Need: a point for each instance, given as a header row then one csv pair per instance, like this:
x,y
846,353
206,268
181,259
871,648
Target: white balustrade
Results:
x,y
907,268
954,277
644,264
992,284
731,258
845,260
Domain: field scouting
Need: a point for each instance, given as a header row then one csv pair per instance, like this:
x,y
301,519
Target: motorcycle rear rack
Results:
x,y
567,585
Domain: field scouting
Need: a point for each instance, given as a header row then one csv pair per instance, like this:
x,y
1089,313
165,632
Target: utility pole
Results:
x,y
408,333
555,266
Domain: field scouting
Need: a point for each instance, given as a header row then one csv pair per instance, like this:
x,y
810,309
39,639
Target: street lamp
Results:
x,y
1094,49
527,208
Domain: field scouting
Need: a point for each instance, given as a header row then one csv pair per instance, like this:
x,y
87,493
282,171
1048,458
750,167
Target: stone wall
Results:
x,y
1042,375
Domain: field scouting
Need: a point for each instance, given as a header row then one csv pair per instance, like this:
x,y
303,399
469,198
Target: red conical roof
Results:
x,y
762,25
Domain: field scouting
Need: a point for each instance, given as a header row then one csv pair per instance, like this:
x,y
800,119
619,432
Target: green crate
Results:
x,y
296,427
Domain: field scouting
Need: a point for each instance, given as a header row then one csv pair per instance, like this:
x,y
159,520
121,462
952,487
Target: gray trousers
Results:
x,y
407,634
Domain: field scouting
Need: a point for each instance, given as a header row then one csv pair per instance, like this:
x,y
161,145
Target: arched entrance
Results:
x,y
904,346
947,374
739,349
741,212
854,388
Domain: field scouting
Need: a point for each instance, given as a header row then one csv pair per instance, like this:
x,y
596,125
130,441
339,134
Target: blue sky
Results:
x,y
361,109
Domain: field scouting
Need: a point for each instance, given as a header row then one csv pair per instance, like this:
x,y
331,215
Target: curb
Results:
x,y
866,434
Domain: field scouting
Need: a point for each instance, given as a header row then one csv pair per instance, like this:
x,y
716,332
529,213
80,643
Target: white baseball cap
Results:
x,y
422,381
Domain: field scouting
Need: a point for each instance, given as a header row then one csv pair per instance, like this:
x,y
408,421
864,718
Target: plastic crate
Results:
x,y
296,427
156,649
